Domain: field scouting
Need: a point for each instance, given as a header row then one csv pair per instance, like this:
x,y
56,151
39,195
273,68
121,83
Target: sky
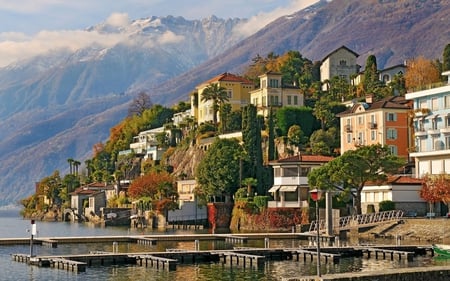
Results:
x,y
32,27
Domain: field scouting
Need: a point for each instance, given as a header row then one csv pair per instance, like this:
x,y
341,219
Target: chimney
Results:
x,y
369,98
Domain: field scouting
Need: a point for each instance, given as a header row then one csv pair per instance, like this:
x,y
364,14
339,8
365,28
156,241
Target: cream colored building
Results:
x,y
341,62
238,89
272,93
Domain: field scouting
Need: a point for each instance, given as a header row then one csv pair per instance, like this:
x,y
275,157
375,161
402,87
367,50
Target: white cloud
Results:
x,y
118,19
262,19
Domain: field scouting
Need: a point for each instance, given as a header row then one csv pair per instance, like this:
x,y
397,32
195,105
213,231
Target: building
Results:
x,y
340,62
400,189
237,88
384,122
431,147
273,94
386,75
146,144
290,183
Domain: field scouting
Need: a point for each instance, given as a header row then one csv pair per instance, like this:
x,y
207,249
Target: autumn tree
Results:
x,y
350,172
139,104
159,187
421,72
435,189
50,187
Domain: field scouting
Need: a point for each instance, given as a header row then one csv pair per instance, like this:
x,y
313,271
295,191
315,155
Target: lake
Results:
x,y
12,226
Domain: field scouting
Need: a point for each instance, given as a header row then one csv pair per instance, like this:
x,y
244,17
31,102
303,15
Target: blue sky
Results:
x,y
30,27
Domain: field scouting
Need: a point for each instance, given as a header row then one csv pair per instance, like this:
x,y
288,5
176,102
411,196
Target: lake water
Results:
x,y
12,226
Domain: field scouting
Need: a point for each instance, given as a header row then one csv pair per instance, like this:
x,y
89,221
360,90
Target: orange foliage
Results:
x,y
435,189
421,72
154,185
97,148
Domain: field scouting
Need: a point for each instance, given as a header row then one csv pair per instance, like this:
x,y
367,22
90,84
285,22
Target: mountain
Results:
x,y
56,106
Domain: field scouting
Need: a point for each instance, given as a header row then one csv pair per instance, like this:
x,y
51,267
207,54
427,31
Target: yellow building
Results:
x,y
272,93
237,87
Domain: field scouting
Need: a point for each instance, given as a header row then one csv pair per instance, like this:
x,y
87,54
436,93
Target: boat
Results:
x,y
442,250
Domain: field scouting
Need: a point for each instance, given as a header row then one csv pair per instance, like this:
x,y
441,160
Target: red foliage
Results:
x,y
435,189
153,185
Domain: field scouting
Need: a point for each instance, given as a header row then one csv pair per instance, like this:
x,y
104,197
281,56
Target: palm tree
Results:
x,y
218,95
70,160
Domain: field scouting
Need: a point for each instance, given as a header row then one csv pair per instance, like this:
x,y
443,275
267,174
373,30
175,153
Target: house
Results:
x,y
88,200
386,75
290,189
340,62
384,122
189,209
431,147
145,144
400,189
273,94
237,88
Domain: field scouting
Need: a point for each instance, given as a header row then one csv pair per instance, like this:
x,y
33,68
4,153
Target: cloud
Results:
x,y
118,19
262,19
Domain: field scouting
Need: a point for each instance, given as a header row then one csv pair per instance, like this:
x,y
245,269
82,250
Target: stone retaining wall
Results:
x,y
435,273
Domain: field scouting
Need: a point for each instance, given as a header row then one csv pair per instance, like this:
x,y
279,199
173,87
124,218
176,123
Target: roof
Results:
x,y
393,102
335,51
398,180
304,159
83,191
227,77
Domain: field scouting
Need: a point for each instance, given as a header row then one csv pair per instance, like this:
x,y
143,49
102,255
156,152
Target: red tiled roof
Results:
x,y
305,158
393,102
397,180
227,77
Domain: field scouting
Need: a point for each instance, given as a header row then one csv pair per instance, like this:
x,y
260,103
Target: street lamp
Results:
x,y
316,194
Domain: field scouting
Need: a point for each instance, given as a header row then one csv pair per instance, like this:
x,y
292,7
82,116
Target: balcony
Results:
x,y
287,204
421,133
348,128
445,130
372,125
433,131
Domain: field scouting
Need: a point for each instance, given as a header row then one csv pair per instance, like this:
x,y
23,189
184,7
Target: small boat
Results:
x,y
442,250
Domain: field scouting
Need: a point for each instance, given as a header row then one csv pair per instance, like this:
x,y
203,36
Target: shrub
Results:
x,y
387,205
260,201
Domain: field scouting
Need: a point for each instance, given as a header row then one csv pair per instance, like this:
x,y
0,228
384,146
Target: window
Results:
x,y
230,93
434,143
447,101
373,135
434,124
420,126
391,134
342,62
273,83
423,104
277,172
360,120
447,142
435,104
289,100
304,171
295,100
349,138
391,116
276,100
393,149
272,100
447,121
290,172
423,145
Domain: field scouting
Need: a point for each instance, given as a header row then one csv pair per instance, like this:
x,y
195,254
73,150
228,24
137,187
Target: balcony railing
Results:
x,y
372,125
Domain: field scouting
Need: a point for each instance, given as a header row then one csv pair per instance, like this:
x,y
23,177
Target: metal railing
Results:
x,y
358,221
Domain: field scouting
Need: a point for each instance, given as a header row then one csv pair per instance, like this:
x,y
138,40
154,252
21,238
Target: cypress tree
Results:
x,y
446,58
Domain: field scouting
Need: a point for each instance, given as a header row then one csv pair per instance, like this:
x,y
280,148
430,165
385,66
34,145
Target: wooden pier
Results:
x,y
409,256
156,262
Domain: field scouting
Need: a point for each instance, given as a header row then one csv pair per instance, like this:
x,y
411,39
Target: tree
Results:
x,y
296,137
435,189
217,173
139,104
158,186
249,182
350,172
324,142
446,58
218,95
251,136
371,79
421,72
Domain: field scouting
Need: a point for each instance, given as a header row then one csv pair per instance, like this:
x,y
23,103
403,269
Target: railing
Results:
x,y
360,220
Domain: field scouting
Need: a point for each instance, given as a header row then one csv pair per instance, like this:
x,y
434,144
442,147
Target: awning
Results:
x,y
274,188
288,188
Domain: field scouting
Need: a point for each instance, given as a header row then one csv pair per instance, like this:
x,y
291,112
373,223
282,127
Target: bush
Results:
x,y
261,201
370,209
387,205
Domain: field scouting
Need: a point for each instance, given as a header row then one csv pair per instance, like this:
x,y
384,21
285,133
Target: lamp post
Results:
x,y
316,194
